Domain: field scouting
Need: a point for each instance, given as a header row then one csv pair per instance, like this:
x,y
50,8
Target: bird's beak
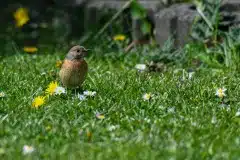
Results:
x,y
85,52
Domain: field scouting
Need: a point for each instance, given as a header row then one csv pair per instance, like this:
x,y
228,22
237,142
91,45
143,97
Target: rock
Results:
x,y
174,21
165,22
177,21
72,3
96,11
230,6
152,7
186,15
228,20
99,12
230,11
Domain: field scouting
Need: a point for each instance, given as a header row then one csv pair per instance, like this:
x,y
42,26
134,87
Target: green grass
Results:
x,y
143,130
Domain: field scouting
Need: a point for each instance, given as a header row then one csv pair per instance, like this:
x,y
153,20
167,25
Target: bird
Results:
x,y
74,69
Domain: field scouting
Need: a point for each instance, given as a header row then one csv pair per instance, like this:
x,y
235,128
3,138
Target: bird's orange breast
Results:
x,y
73,73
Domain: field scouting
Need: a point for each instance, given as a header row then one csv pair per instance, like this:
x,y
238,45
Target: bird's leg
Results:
x,y
75,92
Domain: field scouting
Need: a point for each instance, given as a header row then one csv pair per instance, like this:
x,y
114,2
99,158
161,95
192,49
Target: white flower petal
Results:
x,y
81,97
238,113
90,93
171,110
100,116
60,90
220,92
2,94
141,67
86,93
93,93
214,120
112,127
190,75
43,73
28,149
147,96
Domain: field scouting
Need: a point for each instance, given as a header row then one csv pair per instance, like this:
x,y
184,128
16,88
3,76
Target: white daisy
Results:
x,y
237,113
194,124
112,127
227,107
141,67
60,90
214,120
147,120
147,96
100,116
81,97
171,110
190,75
89,93
28,149
43,73
2,94
220,92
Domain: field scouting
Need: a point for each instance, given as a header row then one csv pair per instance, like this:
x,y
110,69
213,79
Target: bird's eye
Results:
x,y
78,50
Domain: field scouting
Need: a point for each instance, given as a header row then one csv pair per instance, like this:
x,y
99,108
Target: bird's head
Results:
x,y
77,53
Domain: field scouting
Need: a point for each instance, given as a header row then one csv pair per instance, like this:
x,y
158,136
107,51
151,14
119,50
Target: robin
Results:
x,y
74,68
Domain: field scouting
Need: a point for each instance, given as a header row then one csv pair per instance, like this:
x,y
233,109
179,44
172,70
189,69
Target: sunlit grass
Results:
x,y
183,120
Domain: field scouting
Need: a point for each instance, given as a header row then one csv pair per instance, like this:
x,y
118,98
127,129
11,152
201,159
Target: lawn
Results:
x,y
184,119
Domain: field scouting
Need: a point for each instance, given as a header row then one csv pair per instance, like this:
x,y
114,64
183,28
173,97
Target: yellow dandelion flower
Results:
x,y
51,88
21,16
30,49
119,37
58,64
38,101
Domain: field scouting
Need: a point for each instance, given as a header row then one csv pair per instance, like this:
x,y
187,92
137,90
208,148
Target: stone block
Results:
x,y
230,6
152,7
177,21
97,13
95,10
228,20
174,21
186,15
165,25
71,3
230,12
